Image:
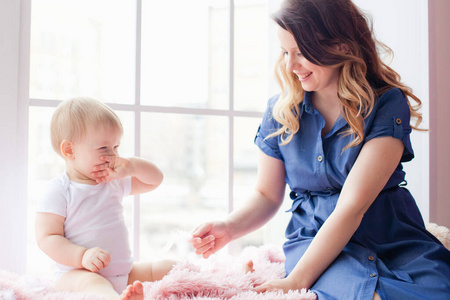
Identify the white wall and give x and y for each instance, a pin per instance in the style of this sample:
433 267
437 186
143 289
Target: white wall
13 133
403 26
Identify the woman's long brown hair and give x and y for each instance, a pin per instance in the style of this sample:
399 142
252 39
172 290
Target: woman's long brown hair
318 26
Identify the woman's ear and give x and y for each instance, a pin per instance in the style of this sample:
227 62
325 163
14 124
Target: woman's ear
66 149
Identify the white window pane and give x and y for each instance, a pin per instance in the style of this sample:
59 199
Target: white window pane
192 152
185 53
245 158
251 65
245 168
126 148
83 47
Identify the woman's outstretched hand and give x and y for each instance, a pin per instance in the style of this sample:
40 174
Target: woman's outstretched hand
284 285
210 237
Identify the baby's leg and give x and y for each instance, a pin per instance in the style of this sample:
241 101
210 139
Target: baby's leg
133 291
144 271
150 271
85 281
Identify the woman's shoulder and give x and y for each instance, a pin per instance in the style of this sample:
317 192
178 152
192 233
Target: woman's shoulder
268 114
392 99
392 94
272 100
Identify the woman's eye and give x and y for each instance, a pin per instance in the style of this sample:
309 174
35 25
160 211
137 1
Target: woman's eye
285 53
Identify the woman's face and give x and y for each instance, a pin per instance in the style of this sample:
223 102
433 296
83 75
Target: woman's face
313 78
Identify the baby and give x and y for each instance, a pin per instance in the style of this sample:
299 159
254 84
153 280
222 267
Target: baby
79 220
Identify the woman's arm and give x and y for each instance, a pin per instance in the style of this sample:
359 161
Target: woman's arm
373 168
264 202
266 199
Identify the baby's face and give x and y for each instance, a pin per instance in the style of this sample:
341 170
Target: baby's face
99 141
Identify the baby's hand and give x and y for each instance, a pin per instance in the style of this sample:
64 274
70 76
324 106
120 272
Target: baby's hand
115 167
95 259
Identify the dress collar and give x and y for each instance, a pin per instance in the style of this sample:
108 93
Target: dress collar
307 105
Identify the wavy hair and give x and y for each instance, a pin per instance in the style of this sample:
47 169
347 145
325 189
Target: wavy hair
318 26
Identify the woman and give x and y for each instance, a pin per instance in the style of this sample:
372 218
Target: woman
338 135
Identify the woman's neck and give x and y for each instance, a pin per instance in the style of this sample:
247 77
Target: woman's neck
329 106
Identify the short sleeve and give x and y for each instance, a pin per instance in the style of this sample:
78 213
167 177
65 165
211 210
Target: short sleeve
391 117
269 125
126 186
54 199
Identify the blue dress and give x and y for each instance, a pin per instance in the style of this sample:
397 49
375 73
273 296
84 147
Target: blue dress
391 251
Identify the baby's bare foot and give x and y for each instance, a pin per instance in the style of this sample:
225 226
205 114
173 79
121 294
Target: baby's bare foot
134 291
248 267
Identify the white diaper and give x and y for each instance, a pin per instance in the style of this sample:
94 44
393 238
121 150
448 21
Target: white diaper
119 282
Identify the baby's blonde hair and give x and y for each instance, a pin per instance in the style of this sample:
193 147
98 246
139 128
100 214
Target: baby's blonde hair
73 118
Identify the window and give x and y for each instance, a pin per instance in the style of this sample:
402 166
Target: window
189 93
190 83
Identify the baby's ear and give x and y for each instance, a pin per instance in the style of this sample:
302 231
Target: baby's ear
66 149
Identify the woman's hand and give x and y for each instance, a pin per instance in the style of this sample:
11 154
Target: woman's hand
285 285
210 237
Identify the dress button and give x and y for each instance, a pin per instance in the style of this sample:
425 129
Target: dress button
371 258
373 275
320 158
398 121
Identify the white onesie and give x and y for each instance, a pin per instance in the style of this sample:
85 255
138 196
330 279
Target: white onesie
94 218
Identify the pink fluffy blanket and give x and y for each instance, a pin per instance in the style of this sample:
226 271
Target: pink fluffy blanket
219 277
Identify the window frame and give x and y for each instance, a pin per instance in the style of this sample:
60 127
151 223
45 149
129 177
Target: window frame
137 109
15 103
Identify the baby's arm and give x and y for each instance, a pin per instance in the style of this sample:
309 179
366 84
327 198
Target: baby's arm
145 175
51 240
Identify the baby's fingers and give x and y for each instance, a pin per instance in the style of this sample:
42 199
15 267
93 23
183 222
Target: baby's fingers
102 176
105 258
